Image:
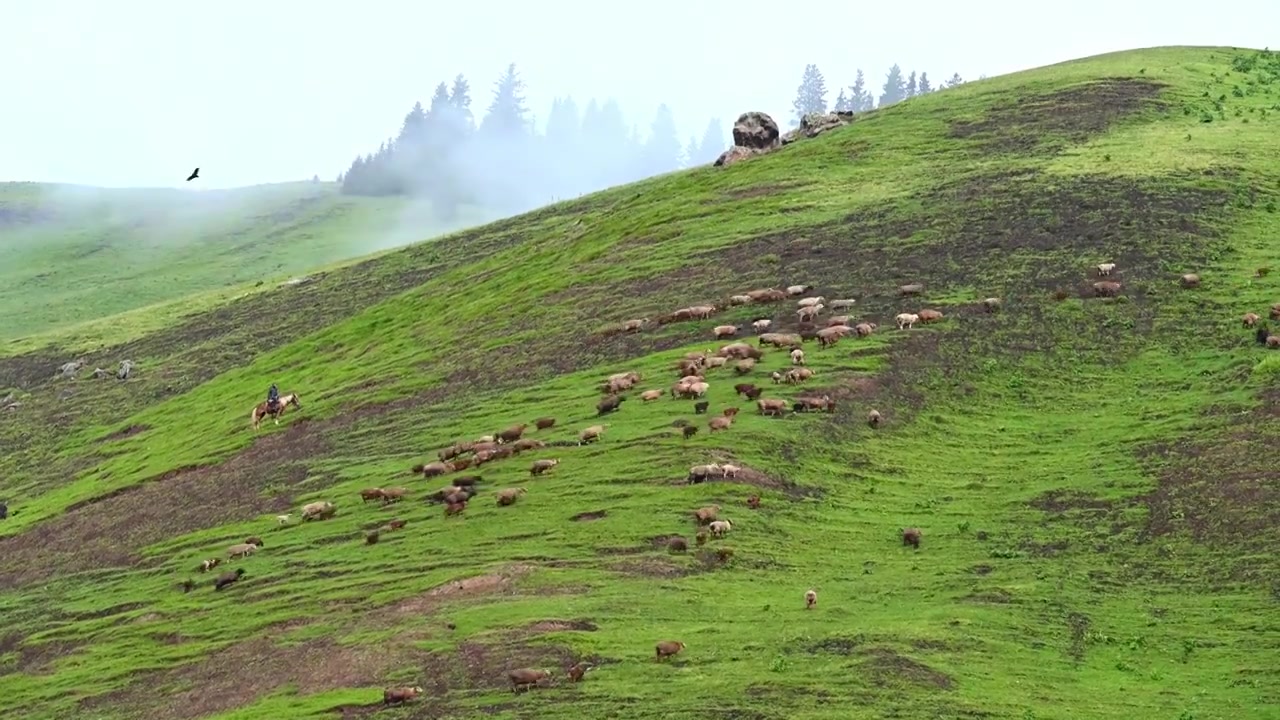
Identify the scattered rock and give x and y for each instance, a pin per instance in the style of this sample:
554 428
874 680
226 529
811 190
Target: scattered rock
294 282
125 371
754 133
69 370
99 373
814 124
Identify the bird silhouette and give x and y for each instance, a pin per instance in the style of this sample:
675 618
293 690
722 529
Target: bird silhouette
194 174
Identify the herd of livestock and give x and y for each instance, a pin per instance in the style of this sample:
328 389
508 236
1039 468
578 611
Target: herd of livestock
739 358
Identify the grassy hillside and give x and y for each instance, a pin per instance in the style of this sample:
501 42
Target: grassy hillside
1094 478
70 256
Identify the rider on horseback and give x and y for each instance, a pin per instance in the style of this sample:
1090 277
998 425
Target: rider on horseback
273 398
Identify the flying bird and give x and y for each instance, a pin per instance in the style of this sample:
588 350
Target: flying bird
194 174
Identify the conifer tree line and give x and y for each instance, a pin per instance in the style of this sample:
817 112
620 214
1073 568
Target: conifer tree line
811 95
497 158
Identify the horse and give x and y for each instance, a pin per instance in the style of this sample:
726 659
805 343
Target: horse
260 411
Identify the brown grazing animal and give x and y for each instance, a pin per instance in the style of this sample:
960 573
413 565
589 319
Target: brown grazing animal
609 404
525 678
253 540
678 545
227 578
667 648
911 536
874 418
370 494
810 599
700 538
543 423
207 565
188 585
509 496
512 433
753 502
701 407
1250 319
1190 280
541 466
576 672
455 508
371 538
689 431
395 524
395 696
1106 288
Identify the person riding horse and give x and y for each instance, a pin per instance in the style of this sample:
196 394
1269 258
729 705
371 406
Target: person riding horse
273 398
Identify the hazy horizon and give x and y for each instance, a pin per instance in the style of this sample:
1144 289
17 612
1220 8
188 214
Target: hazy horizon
138 93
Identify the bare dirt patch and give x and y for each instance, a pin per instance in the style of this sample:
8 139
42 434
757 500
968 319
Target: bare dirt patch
887 667
1061 501
650 567
497 583
589 515
124 433
1048 123
107 532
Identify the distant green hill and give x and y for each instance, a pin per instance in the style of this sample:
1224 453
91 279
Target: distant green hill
72 255
1095 478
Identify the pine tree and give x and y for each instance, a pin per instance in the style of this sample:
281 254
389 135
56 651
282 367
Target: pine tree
859 99
842 102
954 81
563 124
811 95
895 90
713 142
925 86
662 150
507 115
692 153
460 98
912 89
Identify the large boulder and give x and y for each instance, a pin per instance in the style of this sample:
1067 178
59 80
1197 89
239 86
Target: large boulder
755 130
814 124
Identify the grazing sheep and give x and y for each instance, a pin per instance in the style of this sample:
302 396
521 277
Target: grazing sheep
698 389
911 536
700 538
912 289
590 435
1105 269
396 494
865 329
241 550
775 408
798 289
842 303
526 677
809 312
512 433
739 299
797 357
1261 335
991 304
576 672
395 696
776 377
715 361
729 412
769 295
1106 288
228 578
761 325
1273 341
188 585
831 335
704 515
874 418
1251 319
371 538
283 519
797 375
701 407
928 316
743 388
466 481
609 404
678 545
1190 280
810 301
650 395
632 326
719 528
526 444
370 494
720 423
211 563
700 473
1275 311
541 466
320 510
724 554
689 431
810 599
454 508
838 320
433 469
753 502
509 496
543 423
667 648
744 366
730 471
724 331
254 540
754 393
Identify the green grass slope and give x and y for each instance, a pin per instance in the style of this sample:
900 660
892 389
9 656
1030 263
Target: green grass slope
1094 478
72 258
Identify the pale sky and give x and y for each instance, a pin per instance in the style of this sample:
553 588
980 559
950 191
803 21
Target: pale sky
137 92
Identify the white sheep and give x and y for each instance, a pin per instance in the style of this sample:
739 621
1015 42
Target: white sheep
777 377
809 312
797 357
761 325
719 528
283 519
729 471
907 320
842 303
798 289
1106 268
740 300
811 301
